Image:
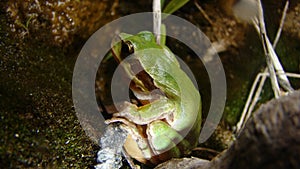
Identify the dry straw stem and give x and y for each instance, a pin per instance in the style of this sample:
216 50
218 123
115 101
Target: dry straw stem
203 13
286 7
157 19
271 54
261 77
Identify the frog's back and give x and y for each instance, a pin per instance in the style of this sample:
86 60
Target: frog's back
161 64
174 82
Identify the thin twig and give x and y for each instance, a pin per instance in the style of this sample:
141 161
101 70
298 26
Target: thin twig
264 40
273 77
283 80
157 20
257 93
251 102
203 12
243 119
248 108
272 56
261 29
294 75
206 149
281 24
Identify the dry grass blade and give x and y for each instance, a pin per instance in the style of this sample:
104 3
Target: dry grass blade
157 20
273 64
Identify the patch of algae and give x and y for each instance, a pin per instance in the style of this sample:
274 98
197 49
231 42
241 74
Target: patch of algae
38 121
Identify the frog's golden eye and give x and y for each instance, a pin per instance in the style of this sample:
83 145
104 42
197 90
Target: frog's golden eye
128 47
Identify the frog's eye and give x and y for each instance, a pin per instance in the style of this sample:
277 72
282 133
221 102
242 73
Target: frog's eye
128 47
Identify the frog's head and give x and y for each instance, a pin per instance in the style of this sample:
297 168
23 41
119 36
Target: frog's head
125 44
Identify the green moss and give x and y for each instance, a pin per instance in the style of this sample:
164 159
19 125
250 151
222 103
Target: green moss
40 128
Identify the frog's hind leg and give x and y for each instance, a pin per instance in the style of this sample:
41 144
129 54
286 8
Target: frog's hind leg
164 139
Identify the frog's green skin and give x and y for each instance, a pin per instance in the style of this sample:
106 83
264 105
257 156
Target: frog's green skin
173 118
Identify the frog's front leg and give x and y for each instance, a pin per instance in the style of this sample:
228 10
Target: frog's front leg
162 108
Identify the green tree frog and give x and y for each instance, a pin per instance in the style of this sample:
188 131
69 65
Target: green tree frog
167 121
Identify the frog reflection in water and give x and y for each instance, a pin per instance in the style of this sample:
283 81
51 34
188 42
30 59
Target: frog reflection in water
168 122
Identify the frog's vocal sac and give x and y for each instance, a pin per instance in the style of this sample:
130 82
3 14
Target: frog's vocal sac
167 123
